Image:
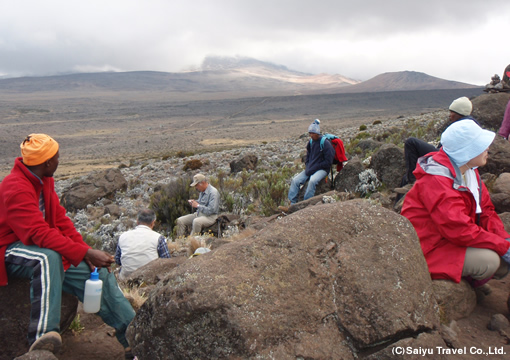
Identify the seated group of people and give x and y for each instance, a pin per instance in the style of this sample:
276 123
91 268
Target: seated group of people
39 242
449 206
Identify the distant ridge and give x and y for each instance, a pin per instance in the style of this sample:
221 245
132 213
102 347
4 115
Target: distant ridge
405 81
222 77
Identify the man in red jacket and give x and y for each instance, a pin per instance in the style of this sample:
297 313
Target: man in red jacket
38 241
450 208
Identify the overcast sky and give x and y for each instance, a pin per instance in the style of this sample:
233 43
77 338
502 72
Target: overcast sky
462 40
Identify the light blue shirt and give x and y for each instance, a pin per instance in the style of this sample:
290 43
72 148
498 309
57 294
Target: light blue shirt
208 201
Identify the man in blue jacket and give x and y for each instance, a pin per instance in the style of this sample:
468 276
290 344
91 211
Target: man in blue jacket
319 157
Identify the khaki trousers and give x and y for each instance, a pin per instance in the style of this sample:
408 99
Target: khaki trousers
483 263
197 223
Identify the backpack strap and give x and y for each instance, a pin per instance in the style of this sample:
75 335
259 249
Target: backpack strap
323 138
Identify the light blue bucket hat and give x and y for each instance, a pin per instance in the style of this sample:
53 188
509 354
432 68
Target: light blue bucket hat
464 140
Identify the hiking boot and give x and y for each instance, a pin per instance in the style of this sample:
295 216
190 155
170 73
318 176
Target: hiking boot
485 289
284 208
50 341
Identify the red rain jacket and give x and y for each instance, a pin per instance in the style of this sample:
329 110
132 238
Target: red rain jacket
21 219
443 215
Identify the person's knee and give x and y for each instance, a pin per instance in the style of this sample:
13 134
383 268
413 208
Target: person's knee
53 256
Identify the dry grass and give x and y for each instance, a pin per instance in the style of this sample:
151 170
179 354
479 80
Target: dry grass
136 297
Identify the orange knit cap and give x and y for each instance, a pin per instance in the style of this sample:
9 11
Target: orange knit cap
37 148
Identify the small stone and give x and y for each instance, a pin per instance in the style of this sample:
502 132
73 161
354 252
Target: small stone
498 322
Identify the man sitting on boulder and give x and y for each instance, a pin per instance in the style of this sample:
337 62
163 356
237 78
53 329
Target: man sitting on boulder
207 205
319 157
39 242
415 148
141 245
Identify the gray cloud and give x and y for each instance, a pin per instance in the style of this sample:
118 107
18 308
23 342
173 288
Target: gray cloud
454 39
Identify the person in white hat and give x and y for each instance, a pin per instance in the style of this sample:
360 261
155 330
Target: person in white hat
450 208
414 148
207 206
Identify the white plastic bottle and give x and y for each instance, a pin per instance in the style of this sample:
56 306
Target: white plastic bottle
93 290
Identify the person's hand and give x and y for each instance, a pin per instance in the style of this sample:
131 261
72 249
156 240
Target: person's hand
97 258
193 203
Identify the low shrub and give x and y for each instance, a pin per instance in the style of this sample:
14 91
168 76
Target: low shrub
193 164
171 201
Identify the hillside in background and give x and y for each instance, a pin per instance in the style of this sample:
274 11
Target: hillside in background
223 78
405 81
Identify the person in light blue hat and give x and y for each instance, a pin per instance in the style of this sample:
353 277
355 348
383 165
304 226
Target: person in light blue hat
319 157
450 208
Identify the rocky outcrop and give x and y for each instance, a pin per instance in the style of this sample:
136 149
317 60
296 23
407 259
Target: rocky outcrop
38 355
96 185
246 162
500 195
347 179
15 316
330 281
499 157
488 109
388 164
455 301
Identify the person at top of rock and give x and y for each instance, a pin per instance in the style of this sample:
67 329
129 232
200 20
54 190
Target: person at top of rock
414 148
319 157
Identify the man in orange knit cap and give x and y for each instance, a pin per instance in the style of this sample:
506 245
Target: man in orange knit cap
38 241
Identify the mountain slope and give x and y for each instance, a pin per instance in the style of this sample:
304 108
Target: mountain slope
405 80
220 78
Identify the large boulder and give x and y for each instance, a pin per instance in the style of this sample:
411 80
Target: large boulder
347 179
499 157
388 164
500 195
488 109
97 185
247 162
15 316
327 282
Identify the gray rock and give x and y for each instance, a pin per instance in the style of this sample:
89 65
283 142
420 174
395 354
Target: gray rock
456 301
329 281
347 179
247 162
15 316
488 109
388 164
97 185
498 322
500 195
499 157
37 355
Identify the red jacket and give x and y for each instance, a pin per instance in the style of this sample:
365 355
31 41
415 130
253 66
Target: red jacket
21 219
443 215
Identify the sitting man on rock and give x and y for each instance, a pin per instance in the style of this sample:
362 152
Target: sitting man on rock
451 210
415 148
39 242
207 205
141 245
319 157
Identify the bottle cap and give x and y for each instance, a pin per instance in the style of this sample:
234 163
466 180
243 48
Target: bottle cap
94 275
